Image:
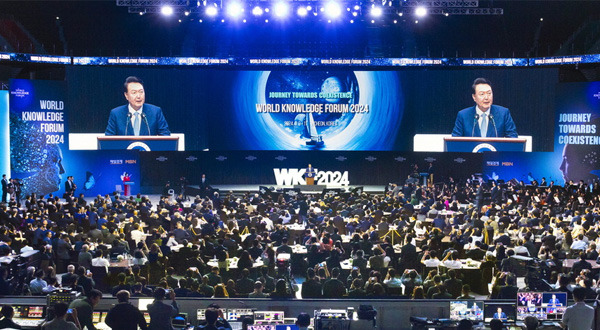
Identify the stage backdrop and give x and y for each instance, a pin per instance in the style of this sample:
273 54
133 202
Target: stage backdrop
279 167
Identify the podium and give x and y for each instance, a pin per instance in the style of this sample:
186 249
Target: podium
145 143
436 142
479 144
127 187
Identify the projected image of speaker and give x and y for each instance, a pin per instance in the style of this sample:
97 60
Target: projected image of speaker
506 312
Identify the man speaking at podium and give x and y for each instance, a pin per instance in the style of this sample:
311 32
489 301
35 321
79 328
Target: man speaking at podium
484 119
136 118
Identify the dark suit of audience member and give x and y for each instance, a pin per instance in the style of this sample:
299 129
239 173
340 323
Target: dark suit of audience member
161 313
125 316
408 256
580 265
453 286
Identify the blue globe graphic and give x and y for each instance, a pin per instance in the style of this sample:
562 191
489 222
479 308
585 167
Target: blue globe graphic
311 84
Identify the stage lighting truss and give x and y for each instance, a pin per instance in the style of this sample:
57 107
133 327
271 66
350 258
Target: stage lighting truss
350 9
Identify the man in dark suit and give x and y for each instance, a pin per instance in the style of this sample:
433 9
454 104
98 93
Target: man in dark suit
136 118
453 285
161 313
484 119
509 291
124 315
408 255
69 185
4 188
204 186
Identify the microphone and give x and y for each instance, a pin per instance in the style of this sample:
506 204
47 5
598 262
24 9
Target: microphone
148 126
494 123
474 123
127 122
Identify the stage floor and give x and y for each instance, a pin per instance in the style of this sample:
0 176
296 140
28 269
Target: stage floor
243 188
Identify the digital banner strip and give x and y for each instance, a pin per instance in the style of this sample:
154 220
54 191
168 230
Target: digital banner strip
351 62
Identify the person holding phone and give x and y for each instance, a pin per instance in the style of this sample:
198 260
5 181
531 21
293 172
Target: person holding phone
61 314
161 313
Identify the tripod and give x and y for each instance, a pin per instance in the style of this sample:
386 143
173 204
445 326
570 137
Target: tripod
392 232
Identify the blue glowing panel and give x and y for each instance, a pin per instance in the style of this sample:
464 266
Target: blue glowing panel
37 134
4 134
577 131
308 110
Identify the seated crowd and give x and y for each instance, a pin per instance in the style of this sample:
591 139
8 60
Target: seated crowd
443 241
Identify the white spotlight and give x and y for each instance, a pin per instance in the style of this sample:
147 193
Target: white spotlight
211 11
333 9
281 9
421 11
302 11
376 11
166 10
257 11
234 9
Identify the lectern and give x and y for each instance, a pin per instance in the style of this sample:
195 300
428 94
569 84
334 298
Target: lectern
479 144
146 143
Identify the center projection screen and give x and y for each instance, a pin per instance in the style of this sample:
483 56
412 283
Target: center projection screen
313 108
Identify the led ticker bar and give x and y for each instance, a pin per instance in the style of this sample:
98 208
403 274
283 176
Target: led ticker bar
301 61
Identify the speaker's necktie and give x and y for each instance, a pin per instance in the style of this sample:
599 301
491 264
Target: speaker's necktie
484 125
136 124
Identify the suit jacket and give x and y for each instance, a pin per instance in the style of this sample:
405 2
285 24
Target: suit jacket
68 186
4 184
62 249
409 256
499 125
120 124
161 314
125 316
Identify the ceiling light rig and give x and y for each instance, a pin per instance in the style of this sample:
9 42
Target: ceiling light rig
350 11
